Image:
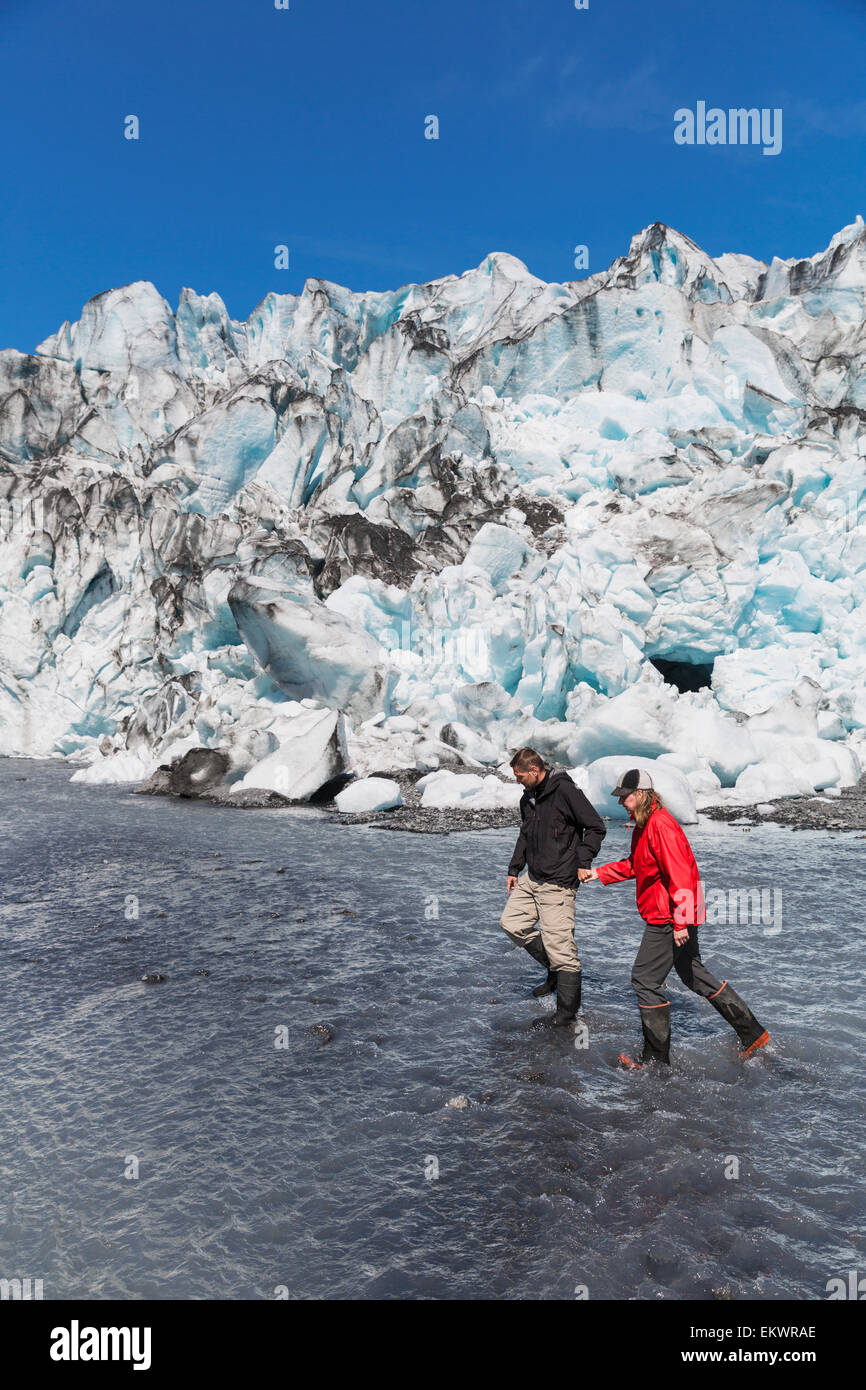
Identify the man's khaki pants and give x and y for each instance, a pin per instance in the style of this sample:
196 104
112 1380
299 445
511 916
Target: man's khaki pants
545 909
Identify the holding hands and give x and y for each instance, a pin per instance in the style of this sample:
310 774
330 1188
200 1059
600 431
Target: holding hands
587 875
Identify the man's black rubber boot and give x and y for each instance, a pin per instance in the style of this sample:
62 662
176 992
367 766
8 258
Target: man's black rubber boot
537 951
751 1033
567 996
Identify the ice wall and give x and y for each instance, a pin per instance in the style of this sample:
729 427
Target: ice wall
469 514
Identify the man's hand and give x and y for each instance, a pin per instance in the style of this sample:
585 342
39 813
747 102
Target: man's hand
681 936
587 875
510 884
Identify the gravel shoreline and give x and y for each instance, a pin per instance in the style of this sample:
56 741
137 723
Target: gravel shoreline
412 818
846 812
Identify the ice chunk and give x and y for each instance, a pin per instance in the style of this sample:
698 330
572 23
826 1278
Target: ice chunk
499 551
129 766
602 775
470 744
369 794
751 680
312 752
311 651
766 779
467 791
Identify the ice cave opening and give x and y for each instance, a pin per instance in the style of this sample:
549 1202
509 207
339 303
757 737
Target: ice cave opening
685 675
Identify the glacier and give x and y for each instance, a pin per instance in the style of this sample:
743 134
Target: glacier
397 529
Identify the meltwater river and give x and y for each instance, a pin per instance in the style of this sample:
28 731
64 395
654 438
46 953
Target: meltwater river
272 1119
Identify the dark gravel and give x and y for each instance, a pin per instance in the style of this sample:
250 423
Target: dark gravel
845 812
410 817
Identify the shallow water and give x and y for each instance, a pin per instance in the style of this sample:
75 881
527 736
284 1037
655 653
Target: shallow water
311 1167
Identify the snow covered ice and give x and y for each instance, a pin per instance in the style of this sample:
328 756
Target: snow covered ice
465 515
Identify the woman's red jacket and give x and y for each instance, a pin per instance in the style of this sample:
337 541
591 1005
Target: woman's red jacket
668 885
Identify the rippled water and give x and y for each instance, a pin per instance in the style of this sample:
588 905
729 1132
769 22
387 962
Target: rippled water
311 1166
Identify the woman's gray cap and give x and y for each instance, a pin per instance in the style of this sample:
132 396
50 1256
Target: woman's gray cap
635 780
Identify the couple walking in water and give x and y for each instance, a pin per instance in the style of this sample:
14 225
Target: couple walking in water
560 835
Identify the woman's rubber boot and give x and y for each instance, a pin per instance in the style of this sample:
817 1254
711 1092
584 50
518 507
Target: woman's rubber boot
751 1033
536 949
567 996
656 1024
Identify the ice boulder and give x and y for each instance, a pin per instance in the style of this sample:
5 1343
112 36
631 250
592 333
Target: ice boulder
474 748
634 722
467 791
369 794
703 733
499 551
753 679
599 779
117 768
311 651
700 776
764 781
823 764
484 702
312 752
194 773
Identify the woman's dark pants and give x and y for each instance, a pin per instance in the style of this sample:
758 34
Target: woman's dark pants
657 954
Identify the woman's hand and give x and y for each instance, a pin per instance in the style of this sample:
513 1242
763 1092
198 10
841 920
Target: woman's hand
587 875
681 936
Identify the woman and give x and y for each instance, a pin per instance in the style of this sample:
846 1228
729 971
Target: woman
671 902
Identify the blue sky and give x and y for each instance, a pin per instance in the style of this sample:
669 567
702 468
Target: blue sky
305 127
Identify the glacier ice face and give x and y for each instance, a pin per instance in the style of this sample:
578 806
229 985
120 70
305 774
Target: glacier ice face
483 506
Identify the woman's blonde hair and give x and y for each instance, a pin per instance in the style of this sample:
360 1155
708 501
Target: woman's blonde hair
647 801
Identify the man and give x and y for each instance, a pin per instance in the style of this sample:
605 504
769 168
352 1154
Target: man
559 834
670 900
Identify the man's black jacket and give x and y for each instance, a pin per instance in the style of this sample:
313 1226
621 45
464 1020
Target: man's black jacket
560 832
